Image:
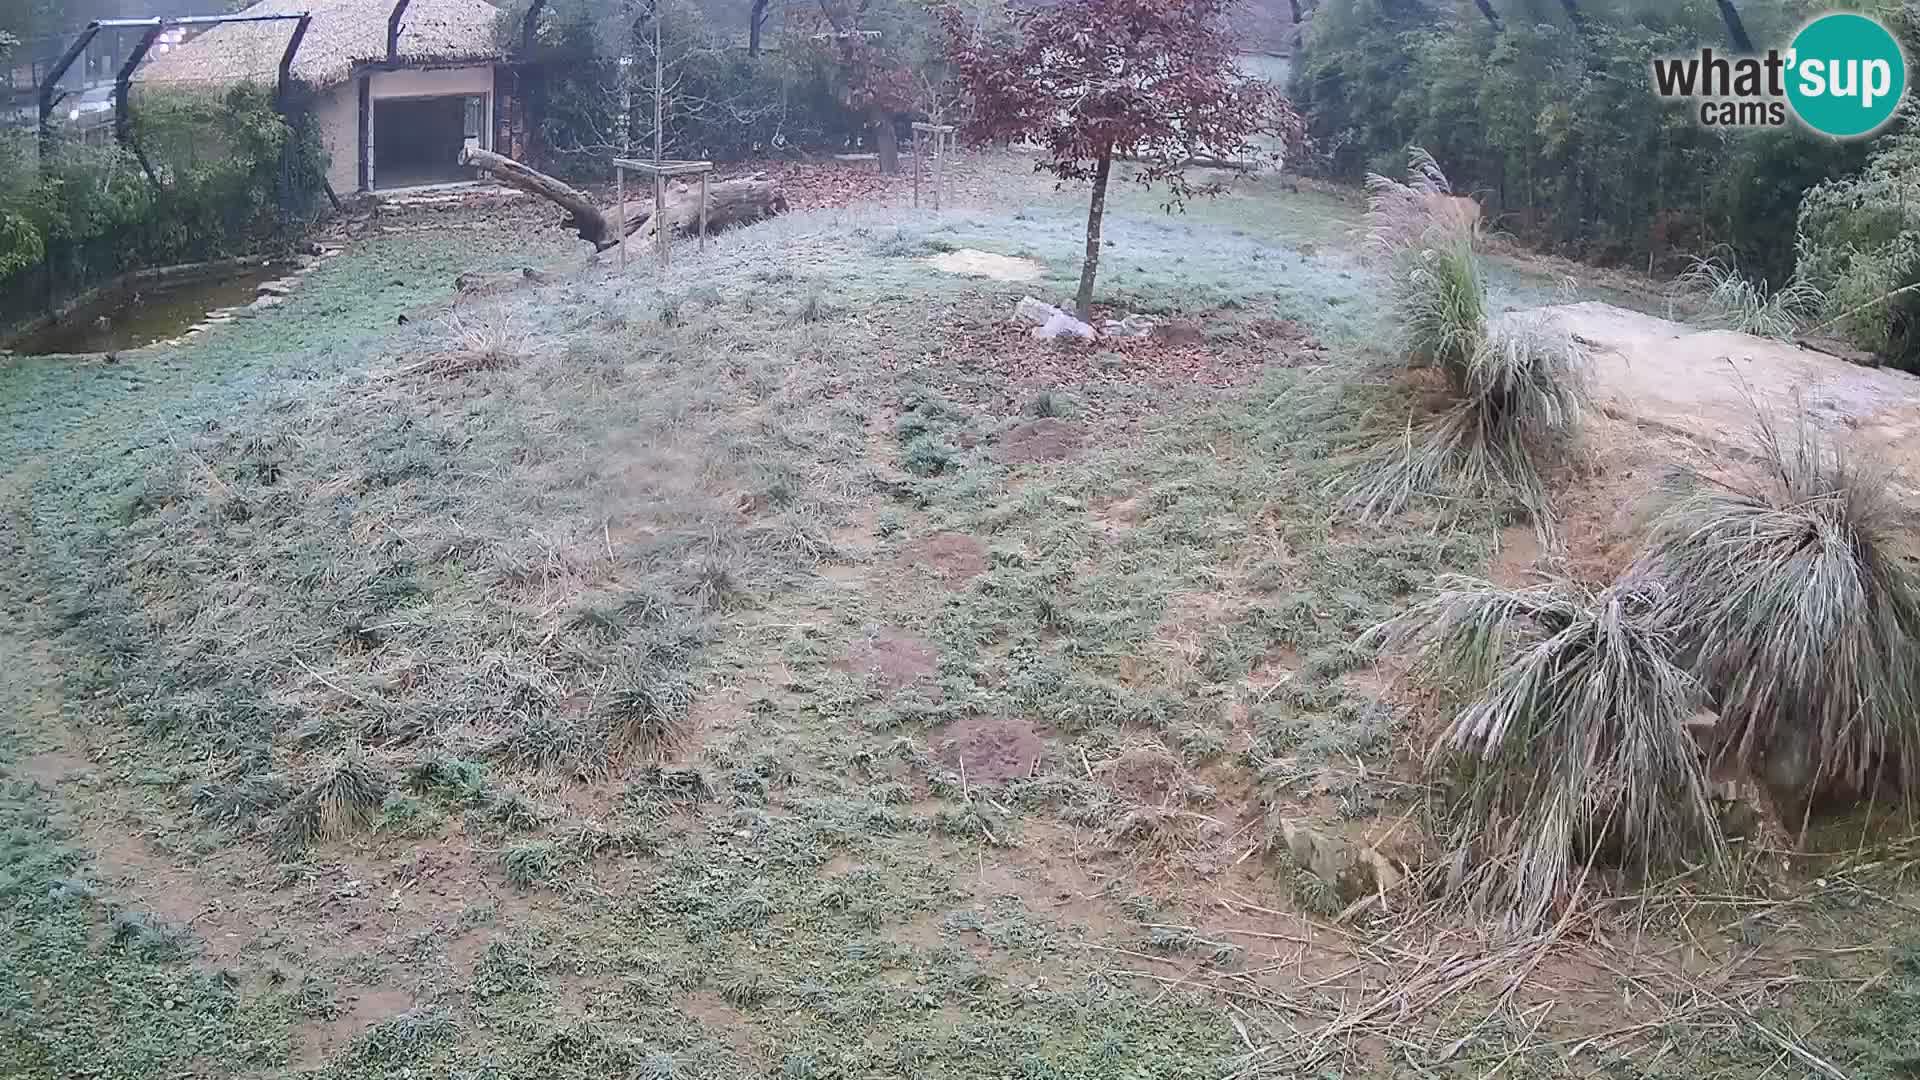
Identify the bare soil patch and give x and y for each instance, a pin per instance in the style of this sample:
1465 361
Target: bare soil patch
1192 360
893 659
320 1041
990 750
1043 440
949 556
976 263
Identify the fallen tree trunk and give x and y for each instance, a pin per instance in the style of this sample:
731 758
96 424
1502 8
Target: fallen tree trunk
583 216
729 203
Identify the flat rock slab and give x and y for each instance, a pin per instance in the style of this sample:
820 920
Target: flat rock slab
1705 384
977 263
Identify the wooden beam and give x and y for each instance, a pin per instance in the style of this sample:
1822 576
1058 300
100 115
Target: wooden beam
393 30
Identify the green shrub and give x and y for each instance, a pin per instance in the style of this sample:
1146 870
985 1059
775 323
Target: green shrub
1859 242
1556 131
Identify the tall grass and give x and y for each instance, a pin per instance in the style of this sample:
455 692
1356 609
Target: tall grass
1733 301
1518 386
1428 241
1571 738
1801 611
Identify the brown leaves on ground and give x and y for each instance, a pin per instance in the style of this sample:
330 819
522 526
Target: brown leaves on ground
1179 354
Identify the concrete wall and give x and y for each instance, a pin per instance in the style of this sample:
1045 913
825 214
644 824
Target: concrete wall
338 111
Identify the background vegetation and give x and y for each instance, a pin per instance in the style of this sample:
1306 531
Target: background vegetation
1552 126
223 174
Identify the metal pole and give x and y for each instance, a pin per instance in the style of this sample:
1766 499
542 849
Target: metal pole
123 87
939 166
918 142
703 211
286 63
620 200
52 82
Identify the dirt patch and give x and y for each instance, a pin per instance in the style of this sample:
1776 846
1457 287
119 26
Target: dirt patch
1517 563
1009 352
53 767
1601 511
892 659
977 263
987 751
1046 439
1179 332
1145 773
320 1041
949 556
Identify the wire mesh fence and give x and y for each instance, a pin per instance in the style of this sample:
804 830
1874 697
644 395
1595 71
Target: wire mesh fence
199 171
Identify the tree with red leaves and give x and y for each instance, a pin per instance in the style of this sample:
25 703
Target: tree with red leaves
1151 81
875 47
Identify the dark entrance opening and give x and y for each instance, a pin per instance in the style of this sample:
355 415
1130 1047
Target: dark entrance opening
417 140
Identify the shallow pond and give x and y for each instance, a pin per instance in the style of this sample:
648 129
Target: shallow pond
142 315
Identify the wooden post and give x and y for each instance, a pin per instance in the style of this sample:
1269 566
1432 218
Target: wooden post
660 217
918 143
939 166
703 211
620 200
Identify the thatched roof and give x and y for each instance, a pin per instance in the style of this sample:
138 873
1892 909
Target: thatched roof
343 33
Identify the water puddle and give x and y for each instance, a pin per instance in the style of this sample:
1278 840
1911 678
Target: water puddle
142 315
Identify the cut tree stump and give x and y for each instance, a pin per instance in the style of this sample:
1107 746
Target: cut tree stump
729 203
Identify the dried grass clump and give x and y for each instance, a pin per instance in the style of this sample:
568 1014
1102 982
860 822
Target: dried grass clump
647 713
1736 302
341 801
1573 739
480 339
1520 397
1800 613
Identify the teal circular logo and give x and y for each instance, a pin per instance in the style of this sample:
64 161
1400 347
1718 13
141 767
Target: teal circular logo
1845 75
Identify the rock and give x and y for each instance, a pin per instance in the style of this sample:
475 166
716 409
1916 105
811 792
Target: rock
267 301
1037 312
1061 324
1133 326
281 287
1352 870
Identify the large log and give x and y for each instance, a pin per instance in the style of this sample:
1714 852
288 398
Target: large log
583 216
730 203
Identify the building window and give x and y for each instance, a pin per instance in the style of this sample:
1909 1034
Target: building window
476 119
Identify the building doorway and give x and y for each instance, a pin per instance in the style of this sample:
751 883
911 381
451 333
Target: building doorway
417 140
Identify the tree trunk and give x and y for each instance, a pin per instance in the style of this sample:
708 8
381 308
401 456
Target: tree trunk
1298 17
1097 209
1736 29
730 203
886 140
1486 8
583 216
